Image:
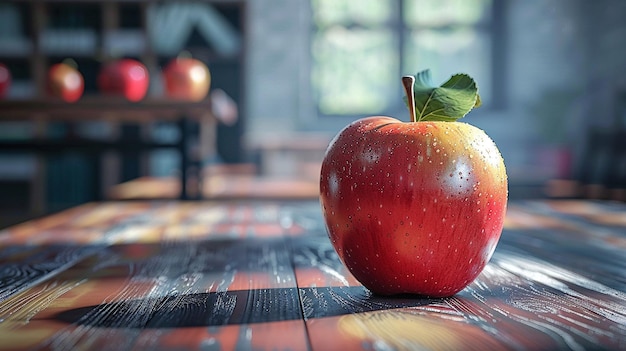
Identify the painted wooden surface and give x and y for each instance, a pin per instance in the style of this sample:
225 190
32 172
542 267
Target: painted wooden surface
263 275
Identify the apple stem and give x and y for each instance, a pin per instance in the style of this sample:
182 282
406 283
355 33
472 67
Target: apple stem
408 83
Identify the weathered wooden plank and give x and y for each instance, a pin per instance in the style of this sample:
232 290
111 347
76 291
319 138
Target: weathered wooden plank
86 216
38 264
158 286
31 253
589 244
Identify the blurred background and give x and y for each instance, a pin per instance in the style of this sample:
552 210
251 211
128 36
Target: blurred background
285 77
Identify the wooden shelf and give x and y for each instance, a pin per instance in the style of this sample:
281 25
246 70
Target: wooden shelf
105 20
98 107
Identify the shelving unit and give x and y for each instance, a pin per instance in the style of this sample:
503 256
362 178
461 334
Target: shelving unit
93 32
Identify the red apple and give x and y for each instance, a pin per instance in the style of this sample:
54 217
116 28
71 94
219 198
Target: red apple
5 80
187 79
65 82
125 77
413 207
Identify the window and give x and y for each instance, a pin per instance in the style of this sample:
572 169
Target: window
360 49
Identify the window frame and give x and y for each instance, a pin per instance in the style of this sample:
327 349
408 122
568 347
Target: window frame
495 29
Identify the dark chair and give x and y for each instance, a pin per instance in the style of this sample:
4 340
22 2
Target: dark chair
616 170
601 173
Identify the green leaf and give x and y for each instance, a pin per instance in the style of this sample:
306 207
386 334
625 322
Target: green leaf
449 102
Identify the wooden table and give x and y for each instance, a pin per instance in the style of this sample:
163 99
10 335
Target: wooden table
262 275
219 187
116 111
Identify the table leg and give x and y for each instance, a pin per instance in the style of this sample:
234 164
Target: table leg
183 148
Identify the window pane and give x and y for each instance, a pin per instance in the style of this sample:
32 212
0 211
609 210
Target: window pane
448 52
354 71
363 12
446 12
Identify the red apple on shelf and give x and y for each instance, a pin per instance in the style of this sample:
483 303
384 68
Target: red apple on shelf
5 80
416 207
65 81
124 77
187 79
